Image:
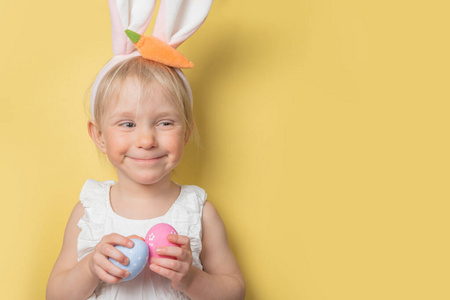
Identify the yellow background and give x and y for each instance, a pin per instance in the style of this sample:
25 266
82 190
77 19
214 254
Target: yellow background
325 140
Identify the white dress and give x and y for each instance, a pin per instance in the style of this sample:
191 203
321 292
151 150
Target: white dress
99 220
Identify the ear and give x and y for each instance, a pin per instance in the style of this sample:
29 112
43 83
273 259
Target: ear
96 135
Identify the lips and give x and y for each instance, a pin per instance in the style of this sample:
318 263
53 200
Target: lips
150 159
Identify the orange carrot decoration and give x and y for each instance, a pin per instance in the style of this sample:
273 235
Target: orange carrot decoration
154 49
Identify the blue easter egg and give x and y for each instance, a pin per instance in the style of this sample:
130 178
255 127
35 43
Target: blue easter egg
138 256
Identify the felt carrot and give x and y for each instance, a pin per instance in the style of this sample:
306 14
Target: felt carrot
154 49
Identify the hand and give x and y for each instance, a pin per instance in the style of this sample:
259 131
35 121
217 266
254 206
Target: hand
178 269
102 267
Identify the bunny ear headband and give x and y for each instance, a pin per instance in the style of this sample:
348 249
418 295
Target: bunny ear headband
176 21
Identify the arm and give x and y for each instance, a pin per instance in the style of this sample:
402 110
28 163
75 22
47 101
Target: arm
221 278
71 279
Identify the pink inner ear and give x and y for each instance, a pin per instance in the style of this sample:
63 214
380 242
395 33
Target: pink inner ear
159 31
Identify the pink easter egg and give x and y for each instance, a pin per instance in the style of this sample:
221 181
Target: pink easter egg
157 237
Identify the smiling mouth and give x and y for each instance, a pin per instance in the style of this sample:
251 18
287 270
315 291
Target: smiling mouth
145 159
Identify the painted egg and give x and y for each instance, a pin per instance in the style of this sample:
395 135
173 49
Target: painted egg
138 256
157 237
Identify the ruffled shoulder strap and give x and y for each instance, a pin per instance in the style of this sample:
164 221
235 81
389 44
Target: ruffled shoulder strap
194 197
94 197
186 217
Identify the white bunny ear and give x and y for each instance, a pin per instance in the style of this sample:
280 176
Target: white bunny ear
128 14
178 19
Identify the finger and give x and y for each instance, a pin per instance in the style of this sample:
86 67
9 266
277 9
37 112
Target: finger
172 264
175 252
106 277
117 239
107 266
168 273
112 252
136 237
181 240
177 266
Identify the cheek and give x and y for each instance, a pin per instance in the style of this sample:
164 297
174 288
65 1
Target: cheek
115 142
175 143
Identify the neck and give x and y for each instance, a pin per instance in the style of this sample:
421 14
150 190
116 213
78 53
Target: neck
133 191
139 201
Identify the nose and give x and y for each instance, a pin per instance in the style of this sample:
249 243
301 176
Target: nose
146 138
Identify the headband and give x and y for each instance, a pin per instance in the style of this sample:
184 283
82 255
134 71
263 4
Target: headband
176 21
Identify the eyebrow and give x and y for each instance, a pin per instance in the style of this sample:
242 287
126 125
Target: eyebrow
132 115
169 113
122 114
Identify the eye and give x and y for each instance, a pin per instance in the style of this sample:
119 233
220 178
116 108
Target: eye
128 125
165 123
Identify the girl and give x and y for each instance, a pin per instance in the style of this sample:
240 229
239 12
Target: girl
142 119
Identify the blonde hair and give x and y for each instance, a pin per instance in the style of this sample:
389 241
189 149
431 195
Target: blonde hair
146 73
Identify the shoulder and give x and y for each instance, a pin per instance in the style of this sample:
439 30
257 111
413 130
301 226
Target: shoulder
94 196
74 219
214 230
95 189
90 215
77 213
195 191
210 213
191 199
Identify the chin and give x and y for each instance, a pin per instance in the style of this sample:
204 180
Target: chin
149 179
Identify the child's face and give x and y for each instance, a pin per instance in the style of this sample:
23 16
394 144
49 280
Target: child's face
145 139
